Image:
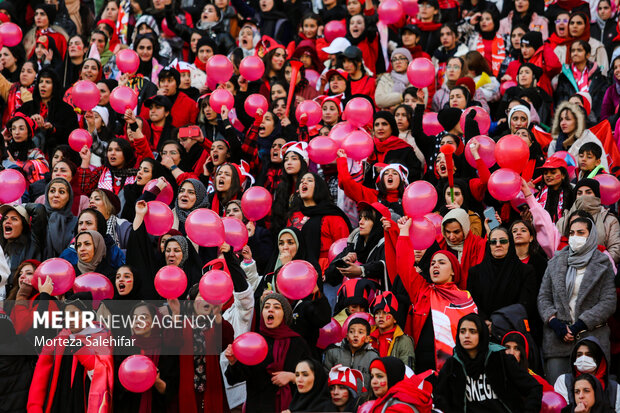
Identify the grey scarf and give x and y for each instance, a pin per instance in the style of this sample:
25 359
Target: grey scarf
60 223
201 200
579 259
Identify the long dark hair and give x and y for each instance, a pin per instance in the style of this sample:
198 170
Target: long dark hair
235 189
128 153
320 196
47 73
534 247
553 197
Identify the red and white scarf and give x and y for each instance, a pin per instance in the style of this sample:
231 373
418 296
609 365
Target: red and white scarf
498 53
581 78
113 184
542 200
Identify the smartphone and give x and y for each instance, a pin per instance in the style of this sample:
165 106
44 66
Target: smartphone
489 213
189 132
340 263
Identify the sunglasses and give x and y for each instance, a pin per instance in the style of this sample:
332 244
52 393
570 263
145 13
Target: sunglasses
495 241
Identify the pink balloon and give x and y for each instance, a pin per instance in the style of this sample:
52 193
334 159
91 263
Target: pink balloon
436 220
506 85
219 98
252 68
610 188
98 285
358 112
552 402
336 248
170 282
358 145
296 279
312 76
211 83
13 185
330 333
322 150
236 234
340 131
85 95
312 109
422 233
219 68
234 120
334 29
504 184
419 199
421 72
512 152
411 7
137 373
482 118
216 287
123 98
390 11
166 195
205 228
430 124
79 138
365 316
61 271
158 219
250 348
11 34
517 201
127 61
256 203
486 151
254 102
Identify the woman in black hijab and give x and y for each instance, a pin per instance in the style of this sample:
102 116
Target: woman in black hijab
310 394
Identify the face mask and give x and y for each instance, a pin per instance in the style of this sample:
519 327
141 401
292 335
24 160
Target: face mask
576 242
585 364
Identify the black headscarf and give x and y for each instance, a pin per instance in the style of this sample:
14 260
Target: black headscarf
474 367
601 403
362 249
389 118
311 230
317 399
393 367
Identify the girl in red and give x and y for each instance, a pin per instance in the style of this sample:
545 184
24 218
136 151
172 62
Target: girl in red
228 181
321 222
19 92
436 306
487 41
359 79
364 36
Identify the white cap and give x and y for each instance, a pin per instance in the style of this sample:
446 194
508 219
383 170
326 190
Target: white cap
337 46
103 112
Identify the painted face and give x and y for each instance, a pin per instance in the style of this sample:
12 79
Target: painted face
339 394
278 58
62 170
553 177
104 92
41 21
378 382
144 321
486 22
518 120
357 336
99 41
385 321
561 25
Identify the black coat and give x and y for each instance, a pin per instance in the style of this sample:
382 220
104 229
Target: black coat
15 375
309 316
598 87
605 36
374 267
61 115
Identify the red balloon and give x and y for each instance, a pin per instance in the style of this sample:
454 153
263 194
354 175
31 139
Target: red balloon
13 185
296 279
486 151
358 145
310 108
216 287
340 131
334 29
330 333
219 68
506 85
322 150
411 7
205 228
158 219
256 203
137 373
127 61
504 184
430 124
312 76
512 152
123 98
61 272
422 233
10 34
98 285
170 282
436 220
336 248
250 348
358 112
390 11
85 95
254 102
610 188
252 68
552 402
219 98
80 138
421 72
419 199
236 234
365 316
482 118
166 195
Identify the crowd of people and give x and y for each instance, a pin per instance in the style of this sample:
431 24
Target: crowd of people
513 301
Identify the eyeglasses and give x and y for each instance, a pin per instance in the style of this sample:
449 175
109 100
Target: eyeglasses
425 5
558 21
399 59
453 67
496 241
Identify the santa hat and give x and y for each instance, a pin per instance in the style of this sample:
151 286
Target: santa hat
586 98
242 171
181 67
346 376
337 99
245 171
402 170
300 148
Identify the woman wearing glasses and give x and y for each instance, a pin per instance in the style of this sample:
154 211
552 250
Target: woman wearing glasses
391 85
501 279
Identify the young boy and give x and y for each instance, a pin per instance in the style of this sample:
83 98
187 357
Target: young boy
354 350
589 161
388 338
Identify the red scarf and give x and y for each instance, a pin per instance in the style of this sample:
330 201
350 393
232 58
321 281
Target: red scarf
556 40
200 65
428 26
382 341
498 52
155 135
542 200
382 147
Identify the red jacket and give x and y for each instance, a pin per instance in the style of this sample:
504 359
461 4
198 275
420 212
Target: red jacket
547 60
411 391
365 86
370 54
184 111
473 253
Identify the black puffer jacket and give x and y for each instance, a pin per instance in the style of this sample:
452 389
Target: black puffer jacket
15 375
598 85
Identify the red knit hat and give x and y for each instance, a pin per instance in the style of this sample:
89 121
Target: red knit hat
456 267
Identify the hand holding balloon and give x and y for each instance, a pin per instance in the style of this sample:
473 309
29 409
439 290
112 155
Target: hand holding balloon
230 355
46 287
404 224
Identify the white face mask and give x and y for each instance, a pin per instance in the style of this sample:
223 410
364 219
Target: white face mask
585 364
576 242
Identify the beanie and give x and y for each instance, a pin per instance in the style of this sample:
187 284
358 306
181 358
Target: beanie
286 306
449 117
590 183
533 39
